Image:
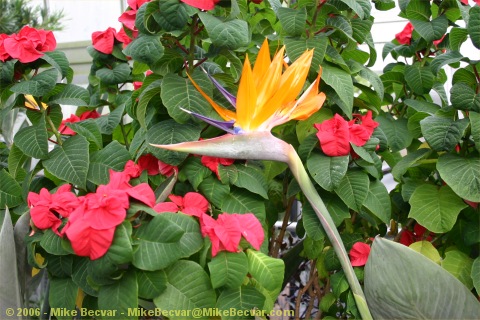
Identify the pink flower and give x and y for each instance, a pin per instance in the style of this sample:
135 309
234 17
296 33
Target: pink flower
28 45
192 203
359 254
63 129
212 163
405 36
47 209
202 4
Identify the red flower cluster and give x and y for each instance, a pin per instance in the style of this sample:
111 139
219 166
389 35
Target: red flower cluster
212 163
408 237
336 134
154 166
202 4
128 17
26 46
104 41
405 36
359 254
63 129
92 218
226 232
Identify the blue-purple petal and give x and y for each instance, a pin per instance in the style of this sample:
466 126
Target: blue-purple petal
230 97
226 126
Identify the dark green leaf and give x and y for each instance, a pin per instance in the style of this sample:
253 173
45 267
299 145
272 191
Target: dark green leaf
62 295
463 97
443 134
292 20
473 26
378 201
38 85
10 191
120 297
151 283
327 171
146 49
418 78
113 156
431 30
342 83
33 140
231 34
353 189
118 74
89 129
228 269
71 95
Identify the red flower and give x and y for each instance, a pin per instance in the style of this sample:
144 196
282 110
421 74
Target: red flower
138 84
104 41
202 4
63 129
405 36
226 232
359 254
128 17
48 209
28 45
336 134
192 203
257 1
408 237
3 53
212 163
154 166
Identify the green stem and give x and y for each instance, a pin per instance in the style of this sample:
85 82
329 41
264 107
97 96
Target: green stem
54 129
191 49
124 134
323 215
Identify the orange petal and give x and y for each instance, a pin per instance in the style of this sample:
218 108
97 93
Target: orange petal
308 107
30 103
262 63
224 113
246 97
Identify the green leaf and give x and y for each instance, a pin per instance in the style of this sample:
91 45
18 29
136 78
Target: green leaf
353 189
247 299
327 171
146 49
170 132
443 59
296 47
89 129
427 249
476 273
188 287
311 223
418 78
337 208
461 174
473 26
228 269
54 244
62 294
121 296
435 208
459 265
179 93
422 106
153 90
342 83
463 97
195 171
250 178
113 156
292 20
151 283
70 94
118 74
16 159
339 283
215 191
431 30
39 85
474 126
266 270
165 239
396 131
418 10
374 79
409 161
173 14
443 134
457 37
343 27
378 201
58 60
387 268
70 161
242 201
231 34
33 140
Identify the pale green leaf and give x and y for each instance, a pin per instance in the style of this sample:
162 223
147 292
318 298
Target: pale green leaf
461 174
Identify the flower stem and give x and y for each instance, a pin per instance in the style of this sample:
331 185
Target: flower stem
54 129
320 209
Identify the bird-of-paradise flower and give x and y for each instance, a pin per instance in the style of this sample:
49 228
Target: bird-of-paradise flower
30 103
267 94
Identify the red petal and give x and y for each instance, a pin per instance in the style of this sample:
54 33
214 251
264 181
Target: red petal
43 218
150 163
103 41
201 4
405 36
166 207
178 200
21 48
106 208
251 229
359 135
195 200
89 242
144 193
407 237
228 231
359 254
128 19
333 135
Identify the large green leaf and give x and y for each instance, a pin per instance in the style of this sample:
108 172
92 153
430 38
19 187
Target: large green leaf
341 82
460 265
242 201
70 161
188 288
378 201
475 128
422 106
473 26
292 20
461 174
113 156
295 47
435 208
179 93
58 60
16 160
152 91
431 30
419 78
409 161
396 131
118 74
443 134
464 97
353 189
266 270
38 85
170 132
54 244
62 295
173 14
151 283
244 301
70 94
214 191
427 249
195 171
418 10
250 178
109 122
443 59
476 274
121 296
228 269
394 270
327 171
10 191
89 129
231 34
165 239
146 49
33 140
311 223
457 37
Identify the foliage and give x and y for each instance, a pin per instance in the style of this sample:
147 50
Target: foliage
404 118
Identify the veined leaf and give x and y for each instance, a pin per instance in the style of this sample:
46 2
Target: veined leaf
353 189
38 85
121 296
228 269
327 171
247 299
461 174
